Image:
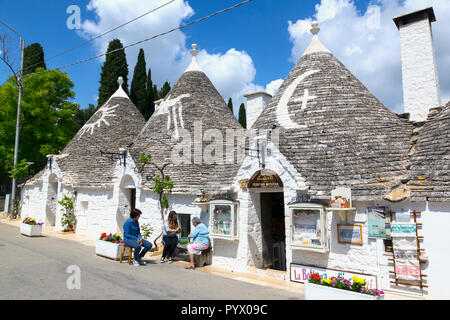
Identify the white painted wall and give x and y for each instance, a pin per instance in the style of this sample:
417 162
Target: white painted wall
96 212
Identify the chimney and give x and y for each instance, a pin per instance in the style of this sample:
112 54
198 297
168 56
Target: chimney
420 77
256 102
157 103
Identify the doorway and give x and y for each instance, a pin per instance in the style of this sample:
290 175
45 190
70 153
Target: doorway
52 201
273 230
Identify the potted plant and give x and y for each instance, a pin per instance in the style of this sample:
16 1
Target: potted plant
109 246
68 219
30 227
338 288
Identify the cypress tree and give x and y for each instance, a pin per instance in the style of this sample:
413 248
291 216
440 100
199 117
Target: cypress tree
230 105
33 58
152 94
242 116
115 66
138 91
164 90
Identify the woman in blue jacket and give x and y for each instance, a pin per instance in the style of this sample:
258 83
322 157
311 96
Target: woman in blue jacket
200 240
132 237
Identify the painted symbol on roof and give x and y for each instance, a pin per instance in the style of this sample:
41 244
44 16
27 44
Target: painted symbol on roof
106 111
174 110
283 115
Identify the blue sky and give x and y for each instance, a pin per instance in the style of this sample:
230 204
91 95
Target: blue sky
258 42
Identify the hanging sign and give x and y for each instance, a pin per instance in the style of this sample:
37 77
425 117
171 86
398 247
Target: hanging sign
376 222
301 273
350 234
260 180
403 230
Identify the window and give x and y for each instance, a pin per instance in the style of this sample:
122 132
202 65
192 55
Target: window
308 227
224 219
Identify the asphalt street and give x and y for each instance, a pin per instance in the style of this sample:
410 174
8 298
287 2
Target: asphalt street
42 268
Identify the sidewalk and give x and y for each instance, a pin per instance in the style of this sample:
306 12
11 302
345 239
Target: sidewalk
267 278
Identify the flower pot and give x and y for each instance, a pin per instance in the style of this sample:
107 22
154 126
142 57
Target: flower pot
108 249
319 292
30 230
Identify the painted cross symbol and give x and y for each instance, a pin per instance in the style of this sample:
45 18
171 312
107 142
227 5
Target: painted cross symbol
305 99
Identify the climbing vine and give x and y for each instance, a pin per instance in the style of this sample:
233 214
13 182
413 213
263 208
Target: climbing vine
68 219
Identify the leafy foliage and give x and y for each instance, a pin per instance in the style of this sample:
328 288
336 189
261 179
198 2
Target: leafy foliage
68 219
115 66
242 116
20 170
230 105
152 95
33 58
46 122
138 92
164 90
146 231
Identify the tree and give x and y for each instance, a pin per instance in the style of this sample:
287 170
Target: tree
164 90
230 105
115 66
47 118
163 186
33 58
242 116
138 91
83 115
152 94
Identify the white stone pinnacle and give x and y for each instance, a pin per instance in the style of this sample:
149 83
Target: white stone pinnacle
316 45
315 28
194 65
120 92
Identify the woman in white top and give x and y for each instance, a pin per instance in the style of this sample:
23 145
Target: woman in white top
170 238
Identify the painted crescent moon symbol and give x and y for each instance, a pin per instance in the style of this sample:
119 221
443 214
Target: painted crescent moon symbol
283 116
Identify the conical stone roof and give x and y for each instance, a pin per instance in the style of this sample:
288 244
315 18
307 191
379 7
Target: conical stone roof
335 131
430 169
193 108
114 126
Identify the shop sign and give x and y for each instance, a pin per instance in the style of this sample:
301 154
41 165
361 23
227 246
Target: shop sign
301 273
260 180
350 234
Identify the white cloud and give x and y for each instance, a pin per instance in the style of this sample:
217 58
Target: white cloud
367 42
273 87
232 72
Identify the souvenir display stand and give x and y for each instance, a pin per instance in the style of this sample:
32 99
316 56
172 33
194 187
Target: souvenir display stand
417 277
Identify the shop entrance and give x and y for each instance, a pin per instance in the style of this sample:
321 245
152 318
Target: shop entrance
273 230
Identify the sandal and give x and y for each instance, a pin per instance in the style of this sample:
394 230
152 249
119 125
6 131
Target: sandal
190 267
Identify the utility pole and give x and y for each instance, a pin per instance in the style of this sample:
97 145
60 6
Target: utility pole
19 103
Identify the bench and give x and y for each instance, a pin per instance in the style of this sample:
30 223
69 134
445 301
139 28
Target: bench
205 258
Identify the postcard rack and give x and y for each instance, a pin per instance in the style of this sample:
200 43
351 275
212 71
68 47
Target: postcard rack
415 283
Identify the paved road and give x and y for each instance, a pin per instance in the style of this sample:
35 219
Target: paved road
36 269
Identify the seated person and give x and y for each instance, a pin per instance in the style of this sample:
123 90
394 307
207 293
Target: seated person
200 240
132 237
170 238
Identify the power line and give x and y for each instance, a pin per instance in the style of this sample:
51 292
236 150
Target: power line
101 35
148 39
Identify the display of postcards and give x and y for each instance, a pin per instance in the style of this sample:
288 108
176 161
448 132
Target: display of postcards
405 254
316 242
305 228
405 243
407 270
